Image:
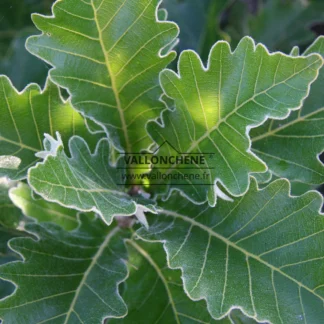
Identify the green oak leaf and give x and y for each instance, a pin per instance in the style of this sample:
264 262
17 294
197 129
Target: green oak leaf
26 116
216 106
155 292
108 55
262 253
277 24
85 181
66 277
291 148
42 210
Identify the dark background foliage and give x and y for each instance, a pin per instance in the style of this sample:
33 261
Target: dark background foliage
279 24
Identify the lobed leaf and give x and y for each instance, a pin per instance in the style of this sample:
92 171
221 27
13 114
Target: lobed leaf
108 55
85 181
66 277
155 292
25 117
263 253
216 106
291 148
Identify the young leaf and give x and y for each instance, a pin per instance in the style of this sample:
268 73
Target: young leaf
42 210
215 108
66 277
291 148
25 117
85 181
108 55
262 253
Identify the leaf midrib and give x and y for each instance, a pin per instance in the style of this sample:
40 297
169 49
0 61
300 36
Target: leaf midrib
209 131
196 143
160 274
87 273
112 78
233 245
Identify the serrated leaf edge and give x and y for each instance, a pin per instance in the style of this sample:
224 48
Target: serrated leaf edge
264 135
97 255
160 119
170 46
